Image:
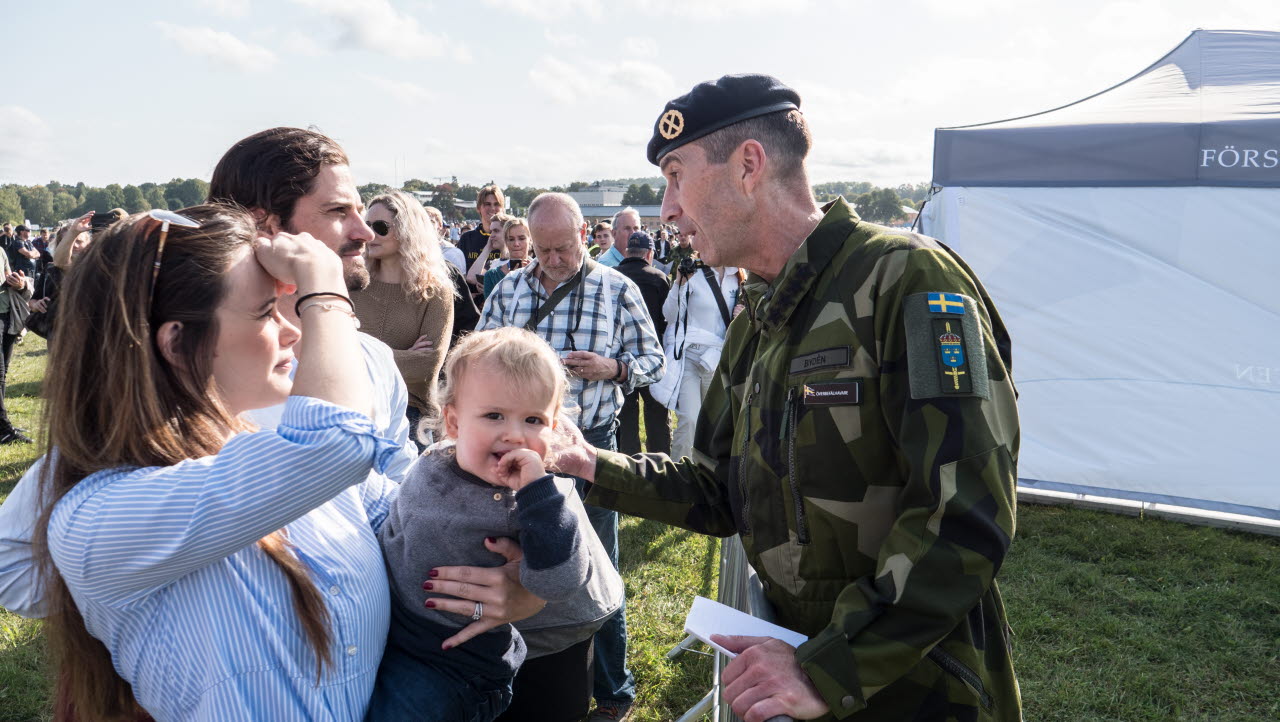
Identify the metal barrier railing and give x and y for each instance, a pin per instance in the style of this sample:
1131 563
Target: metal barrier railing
740 588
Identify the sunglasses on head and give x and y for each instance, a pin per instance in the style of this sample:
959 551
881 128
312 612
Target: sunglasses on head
166 218
382 228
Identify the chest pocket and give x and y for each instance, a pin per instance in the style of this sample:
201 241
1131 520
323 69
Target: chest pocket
820 419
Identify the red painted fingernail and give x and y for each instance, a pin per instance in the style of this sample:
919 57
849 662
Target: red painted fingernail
491 540
431 603
433 573
447 646
428 585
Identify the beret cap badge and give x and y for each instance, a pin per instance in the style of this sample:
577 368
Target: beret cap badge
717 104
672 124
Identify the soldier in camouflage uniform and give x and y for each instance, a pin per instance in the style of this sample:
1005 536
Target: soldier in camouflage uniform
679 252
861 437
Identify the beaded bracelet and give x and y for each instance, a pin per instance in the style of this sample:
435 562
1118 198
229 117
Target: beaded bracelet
330 306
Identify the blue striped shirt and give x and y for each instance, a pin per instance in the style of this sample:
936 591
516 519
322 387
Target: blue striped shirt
20 590
163 564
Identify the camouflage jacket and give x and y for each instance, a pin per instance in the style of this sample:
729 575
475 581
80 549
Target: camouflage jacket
862 438
678 253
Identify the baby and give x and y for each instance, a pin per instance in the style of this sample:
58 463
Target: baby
499 407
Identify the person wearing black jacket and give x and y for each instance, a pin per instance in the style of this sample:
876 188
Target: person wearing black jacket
489 202
465 313
654 285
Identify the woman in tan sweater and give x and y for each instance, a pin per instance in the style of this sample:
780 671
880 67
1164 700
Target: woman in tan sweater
409 302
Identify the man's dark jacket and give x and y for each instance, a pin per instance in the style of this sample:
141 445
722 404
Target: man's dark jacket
654 286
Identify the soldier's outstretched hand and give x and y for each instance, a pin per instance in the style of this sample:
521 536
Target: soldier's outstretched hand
765 681
570 454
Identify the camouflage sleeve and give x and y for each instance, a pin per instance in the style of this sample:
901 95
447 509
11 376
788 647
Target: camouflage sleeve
957 449
688 493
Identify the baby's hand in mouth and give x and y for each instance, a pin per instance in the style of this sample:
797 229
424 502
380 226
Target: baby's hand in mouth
518 468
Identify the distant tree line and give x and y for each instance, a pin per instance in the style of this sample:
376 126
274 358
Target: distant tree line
878 205
46 205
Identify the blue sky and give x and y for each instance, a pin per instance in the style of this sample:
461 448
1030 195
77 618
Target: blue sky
542 92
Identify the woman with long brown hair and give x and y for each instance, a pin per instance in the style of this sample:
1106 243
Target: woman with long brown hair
195 568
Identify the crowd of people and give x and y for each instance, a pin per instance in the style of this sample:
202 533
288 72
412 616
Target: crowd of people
316 457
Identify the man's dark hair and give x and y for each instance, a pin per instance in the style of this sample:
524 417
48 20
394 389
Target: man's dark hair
785 136
271 170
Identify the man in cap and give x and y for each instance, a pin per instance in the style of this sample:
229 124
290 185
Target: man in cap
861 435
654 286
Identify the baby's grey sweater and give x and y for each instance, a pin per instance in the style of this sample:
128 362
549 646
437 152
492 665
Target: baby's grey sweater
442 516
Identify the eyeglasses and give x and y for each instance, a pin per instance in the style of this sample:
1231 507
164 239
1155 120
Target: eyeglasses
166 218
382 228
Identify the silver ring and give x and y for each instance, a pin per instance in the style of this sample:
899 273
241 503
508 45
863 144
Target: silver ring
476 615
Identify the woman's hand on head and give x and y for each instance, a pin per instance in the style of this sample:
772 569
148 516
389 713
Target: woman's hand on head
520 467
300 260
498 589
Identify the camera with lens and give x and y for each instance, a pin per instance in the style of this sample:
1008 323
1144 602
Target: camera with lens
689 265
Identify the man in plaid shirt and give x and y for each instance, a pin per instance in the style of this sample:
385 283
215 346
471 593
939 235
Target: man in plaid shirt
607 340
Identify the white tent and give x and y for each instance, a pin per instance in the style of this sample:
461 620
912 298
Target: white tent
1131 241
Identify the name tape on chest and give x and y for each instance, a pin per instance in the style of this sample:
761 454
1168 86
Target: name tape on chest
832 393
945 354
829 358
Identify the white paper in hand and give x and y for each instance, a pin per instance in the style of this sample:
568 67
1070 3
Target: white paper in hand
708 617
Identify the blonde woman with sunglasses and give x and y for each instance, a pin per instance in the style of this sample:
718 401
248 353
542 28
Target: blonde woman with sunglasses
410 301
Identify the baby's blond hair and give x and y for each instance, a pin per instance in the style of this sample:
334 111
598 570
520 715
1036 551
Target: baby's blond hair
520 356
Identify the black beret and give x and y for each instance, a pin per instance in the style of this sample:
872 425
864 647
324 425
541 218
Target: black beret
640 239
712 106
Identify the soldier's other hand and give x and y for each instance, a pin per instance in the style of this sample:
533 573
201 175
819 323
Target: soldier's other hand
765 680
570 454
590 366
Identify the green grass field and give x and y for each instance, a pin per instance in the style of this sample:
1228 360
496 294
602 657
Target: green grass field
1115 617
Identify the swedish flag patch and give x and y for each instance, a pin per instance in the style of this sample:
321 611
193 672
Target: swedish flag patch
946 303
945 355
